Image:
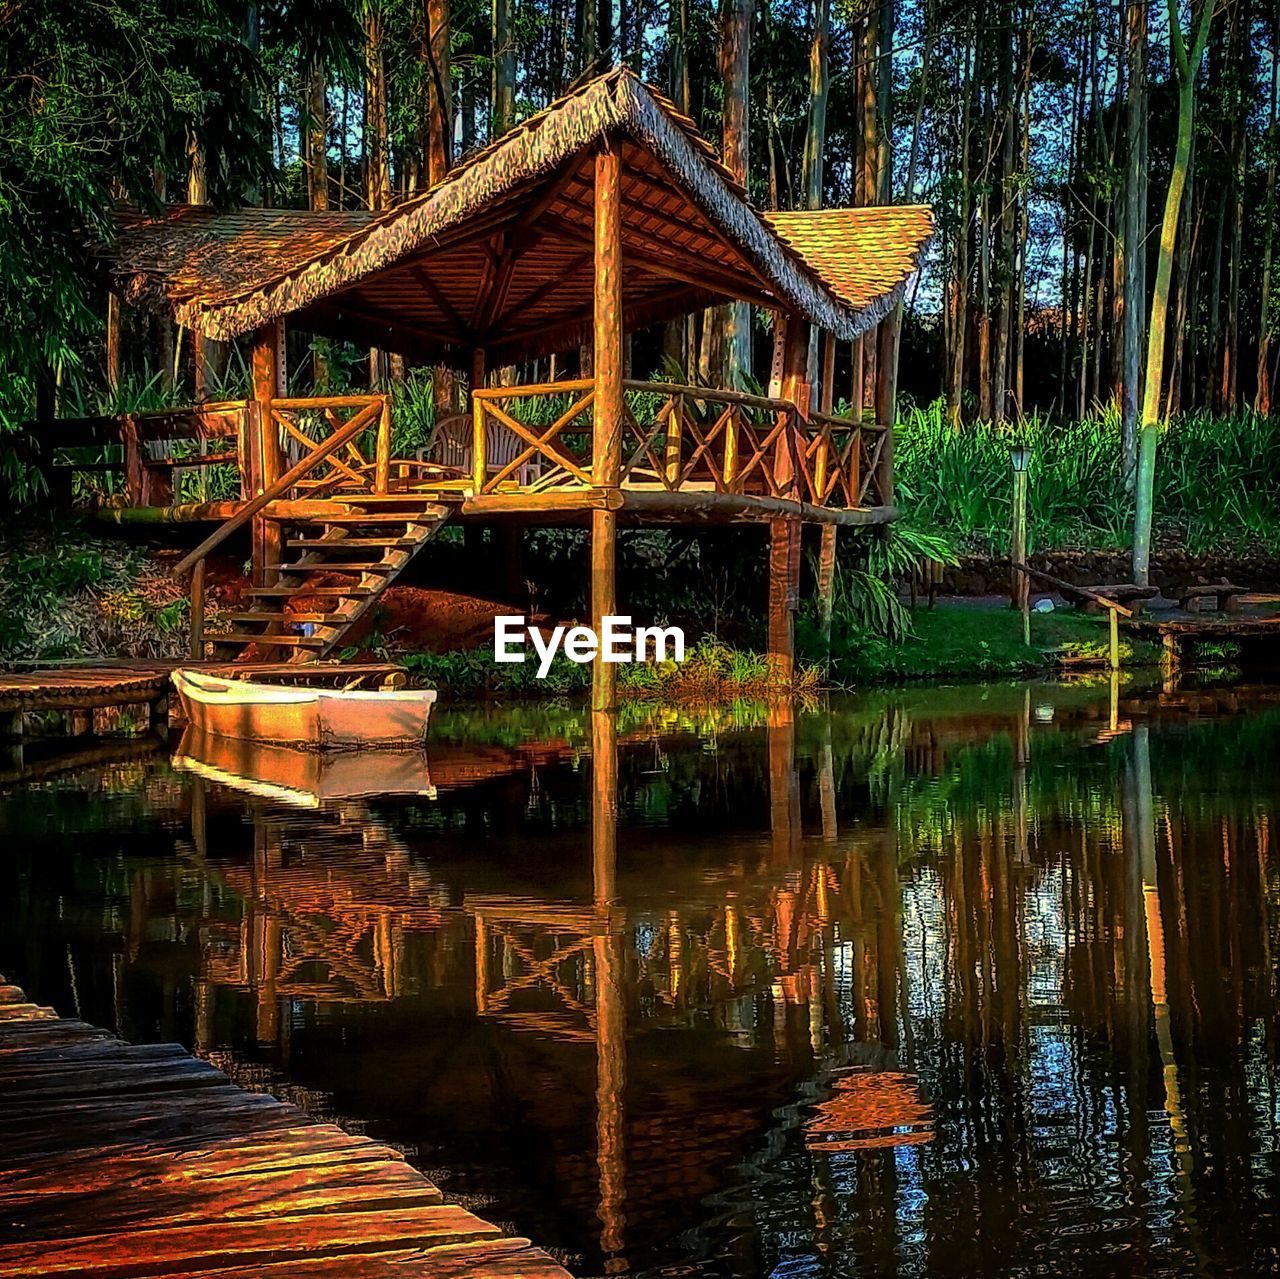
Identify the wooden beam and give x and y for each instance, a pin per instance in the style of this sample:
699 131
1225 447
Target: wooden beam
714 280
436 294
710 507
433 336
541 293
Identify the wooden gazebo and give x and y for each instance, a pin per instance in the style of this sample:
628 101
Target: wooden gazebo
602 214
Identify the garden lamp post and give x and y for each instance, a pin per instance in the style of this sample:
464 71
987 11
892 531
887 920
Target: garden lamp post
1020 596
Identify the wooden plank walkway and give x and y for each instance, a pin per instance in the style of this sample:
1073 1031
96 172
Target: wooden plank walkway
125 1162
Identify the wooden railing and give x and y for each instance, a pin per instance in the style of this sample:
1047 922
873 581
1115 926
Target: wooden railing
147 451
362 464
675 438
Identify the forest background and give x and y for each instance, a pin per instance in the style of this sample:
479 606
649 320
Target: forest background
1045 136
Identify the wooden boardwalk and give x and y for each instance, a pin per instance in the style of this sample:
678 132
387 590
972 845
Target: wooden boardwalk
124 1162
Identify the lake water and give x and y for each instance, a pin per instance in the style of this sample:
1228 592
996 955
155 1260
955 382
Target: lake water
964 981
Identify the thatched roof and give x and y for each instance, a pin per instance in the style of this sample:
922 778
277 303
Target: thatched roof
499 253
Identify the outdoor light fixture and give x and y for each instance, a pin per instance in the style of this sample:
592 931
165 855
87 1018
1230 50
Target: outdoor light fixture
1020 456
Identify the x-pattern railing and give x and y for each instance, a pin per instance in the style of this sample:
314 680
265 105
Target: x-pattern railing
843 460
674 438
361 464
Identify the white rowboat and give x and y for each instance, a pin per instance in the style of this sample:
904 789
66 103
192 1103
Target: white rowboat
316 718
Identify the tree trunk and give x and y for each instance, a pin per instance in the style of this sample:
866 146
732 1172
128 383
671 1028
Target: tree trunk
735 69
1187 68
1267 318
504 68
1134 234
815 138
377 151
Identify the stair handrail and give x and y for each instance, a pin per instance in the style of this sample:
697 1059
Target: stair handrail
303 467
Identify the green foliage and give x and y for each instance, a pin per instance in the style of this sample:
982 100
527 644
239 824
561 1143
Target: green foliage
1215 478
65 594
99 99
870 569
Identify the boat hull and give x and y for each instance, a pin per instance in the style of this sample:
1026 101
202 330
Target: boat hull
315 718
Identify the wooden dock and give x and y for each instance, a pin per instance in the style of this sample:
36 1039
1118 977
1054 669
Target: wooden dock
1180 631
125 1162
76 688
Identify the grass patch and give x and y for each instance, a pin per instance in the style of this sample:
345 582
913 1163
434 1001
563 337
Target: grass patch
960 642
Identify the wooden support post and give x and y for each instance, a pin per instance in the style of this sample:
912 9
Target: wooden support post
479 455
606 434
827 546
135 481
1114 619
382 456
783 560
604 810
784 534
887 401
730 468
197 610
268 371
795 388
1170 657
1020 587
826 584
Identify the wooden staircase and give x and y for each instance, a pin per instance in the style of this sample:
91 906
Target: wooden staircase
341 555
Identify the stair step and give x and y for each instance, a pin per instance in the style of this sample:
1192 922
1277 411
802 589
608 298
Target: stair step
327 592
318 619
329 568
357 517
351 543
289 641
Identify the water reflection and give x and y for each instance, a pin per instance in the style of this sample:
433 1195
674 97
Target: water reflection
962 982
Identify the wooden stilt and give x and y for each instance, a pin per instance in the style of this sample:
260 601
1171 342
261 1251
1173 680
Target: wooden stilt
606 445
784 533
783 560
826 584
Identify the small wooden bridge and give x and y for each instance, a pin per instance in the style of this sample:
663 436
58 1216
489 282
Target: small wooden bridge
125 1162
